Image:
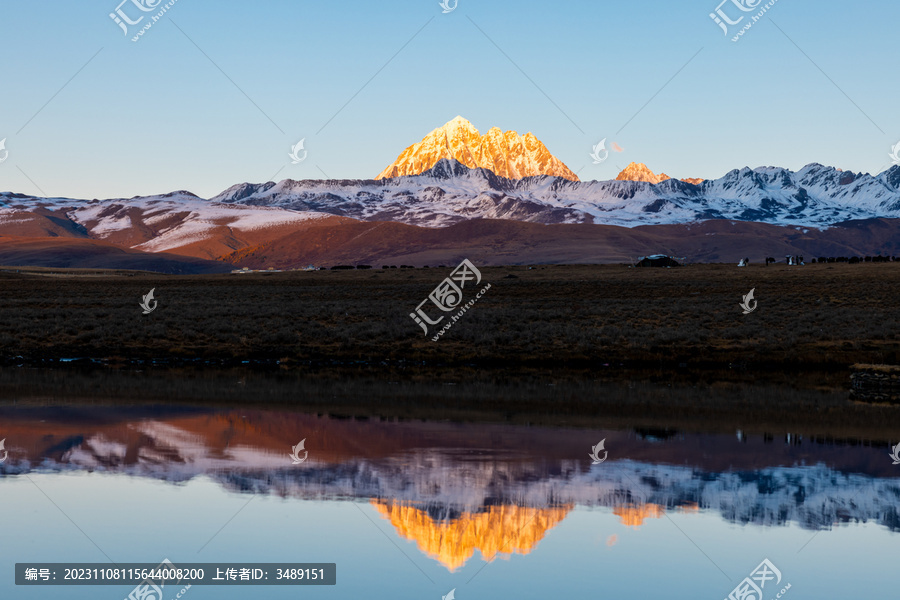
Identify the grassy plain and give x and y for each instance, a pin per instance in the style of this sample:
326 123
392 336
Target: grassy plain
579 316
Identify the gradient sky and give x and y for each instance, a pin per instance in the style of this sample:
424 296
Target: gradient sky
360 81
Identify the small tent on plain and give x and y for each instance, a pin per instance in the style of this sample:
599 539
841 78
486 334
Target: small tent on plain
657 260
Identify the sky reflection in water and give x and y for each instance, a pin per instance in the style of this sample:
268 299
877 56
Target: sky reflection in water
414 509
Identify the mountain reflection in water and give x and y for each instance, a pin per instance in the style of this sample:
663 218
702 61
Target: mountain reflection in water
456 488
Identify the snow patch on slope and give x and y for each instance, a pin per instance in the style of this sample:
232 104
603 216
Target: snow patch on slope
196 220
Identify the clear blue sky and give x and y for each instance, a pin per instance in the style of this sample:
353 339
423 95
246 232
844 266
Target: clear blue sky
157 115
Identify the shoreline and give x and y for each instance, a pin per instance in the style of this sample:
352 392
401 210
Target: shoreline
685 365
814 405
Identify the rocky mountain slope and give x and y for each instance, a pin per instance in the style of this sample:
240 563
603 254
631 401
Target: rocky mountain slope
179 222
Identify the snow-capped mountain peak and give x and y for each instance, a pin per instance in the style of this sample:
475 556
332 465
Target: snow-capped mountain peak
640 172
506 154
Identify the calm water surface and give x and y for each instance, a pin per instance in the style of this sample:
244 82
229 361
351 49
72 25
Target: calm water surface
415 508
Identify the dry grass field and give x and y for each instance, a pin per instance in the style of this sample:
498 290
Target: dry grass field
814 316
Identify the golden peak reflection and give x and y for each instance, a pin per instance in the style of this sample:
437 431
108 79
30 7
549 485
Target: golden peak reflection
498 530
633 515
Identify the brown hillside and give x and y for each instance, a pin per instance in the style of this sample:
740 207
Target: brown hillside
499 242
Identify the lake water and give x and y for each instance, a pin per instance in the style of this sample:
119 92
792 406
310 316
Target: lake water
415 508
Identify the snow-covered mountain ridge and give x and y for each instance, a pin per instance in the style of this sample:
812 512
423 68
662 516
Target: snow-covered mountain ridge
814 196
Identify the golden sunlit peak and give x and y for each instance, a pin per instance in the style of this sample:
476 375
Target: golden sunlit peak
506 154
640 172
633 516
502 530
